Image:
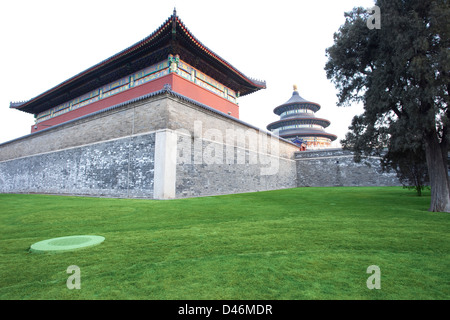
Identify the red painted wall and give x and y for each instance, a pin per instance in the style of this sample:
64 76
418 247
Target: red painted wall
202 95
178 84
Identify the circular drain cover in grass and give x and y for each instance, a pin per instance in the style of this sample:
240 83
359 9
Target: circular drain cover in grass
66 243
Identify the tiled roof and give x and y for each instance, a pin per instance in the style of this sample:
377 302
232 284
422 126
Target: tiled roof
165 36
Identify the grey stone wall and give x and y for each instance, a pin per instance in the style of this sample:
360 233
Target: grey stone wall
113 153
138 117
117 153
244 171
336 167
218 155
202 123
117 168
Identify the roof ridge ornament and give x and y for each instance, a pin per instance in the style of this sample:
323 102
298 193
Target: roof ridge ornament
295 93
174 24
15 104
167 87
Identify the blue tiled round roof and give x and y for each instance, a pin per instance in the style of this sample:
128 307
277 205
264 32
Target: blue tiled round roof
295 102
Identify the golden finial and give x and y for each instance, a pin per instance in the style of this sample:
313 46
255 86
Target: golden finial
295 87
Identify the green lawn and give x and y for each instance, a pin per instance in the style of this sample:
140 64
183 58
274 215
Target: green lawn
304 243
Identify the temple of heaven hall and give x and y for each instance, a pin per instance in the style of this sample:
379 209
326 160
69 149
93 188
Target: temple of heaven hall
299 124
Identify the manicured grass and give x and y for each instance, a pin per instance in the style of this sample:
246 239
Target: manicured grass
305 243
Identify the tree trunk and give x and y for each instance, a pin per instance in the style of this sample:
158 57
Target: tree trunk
438 173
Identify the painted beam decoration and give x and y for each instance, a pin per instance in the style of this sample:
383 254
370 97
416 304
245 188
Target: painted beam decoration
172 64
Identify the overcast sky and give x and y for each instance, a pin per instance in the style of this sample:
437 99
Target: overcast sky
283 42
